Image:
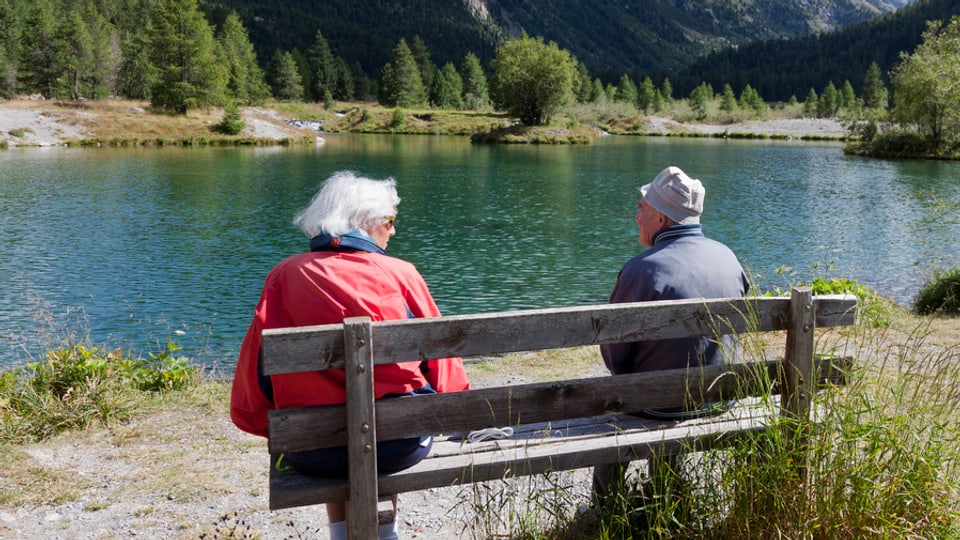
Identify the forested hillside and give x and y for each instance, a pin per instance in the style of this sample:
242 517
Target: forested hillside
779 69
611 37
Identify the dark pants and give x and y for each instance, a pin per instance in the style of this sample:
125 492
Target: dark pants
392 456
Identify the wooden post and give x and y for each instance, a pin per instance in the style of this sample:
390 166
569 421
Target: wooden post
798 357
799 383
361 429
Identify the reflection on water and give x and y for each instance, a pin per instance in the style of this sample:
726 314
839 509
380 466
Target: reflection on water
133 247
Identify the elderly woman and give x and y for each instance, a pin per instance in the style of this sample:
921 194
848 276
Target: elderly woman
346 273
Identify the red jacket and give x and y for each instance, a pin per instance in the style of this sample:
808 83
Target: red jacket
323 287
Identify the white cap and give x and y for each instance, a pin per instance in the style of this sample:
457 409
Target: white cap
676 195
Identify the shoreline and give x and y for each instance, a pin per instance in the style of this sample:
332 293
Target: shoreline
51 123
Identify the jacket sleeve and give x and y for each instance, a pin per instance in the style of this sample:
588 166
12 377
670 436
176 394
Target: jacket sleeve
248 404
443 374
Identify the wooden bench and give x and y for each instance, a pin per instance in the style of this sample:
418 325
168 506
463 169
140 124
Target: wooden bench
559 425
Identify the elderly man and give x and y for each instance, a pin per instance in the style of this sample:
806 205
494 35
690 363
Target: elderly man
681 263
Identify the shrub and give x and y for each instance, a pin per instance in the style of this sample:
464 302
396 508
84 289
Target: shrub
398 120
941 294
232 122
871 309
77 385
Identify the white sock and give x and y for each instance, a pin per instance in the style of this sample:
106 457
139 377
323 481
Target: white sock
338 530
388 531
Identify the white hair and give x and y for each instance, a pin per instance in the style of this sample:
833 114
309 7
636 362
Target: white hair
346 202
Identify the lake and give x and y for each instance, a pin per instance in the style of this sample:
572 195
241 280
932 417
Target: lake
134 247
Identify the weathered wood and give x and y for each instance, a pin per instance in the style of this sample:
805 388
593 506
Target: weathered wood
361 430
559 425
500 459
291 350
318 427
798 355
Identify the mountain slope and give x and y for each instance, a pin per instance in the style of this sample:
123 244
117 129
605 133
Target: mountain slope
779 69
611 37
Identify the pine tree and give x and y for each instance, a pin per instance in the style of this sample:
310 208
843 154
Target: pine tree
136 78
284 78
245 78
324 69
667 90
874 91
447 87
810 103
9 49
344 89
848 98
750 99
700 98
476 94
401 84
645 95
183 54
728 100
829 102
421 54
38 62
626 90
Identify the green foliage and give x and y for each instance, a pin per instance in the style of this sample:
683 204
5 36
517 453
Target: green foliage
940 294
78 385
750 99
925 92
728 101
401 83
700 99
872 310
398 119
232 122
245 80
476 94
874 89
283 77
183 54
446 88
533 79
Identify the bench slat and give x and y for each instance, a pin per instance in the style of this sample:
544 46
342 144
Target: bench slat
291 350
319 427
499 459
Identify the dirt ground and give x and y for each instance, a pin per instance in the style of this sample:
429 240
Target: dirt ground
176 473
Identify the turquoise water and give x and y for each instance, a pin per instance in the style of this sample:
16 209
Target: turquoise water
132 247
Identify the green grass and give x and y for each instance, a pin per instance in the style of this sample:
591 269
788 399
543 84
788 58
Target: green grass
77 385
883 461
940 294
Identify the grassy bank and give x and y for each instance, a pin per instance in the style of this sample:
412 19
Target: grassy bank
159 453
132 123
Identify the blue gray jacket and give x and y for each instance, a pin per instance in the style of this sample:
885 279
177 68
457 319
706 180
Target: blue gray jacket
682 264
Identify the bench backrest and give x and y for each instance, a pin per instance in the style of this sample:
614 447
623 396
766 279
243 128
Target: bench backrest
358 344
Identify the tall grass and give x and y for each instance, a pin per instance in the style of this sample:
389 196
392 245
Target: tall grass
78 385
881 461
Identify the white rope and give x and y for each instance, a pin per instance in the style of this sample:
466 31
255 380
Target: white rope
490 433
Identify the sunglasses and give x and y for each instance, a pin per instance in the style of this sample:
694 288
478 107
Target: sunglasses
389 221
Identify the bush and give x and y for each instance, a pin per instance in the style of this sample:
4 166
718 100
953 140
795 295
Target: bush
941 294
77 385
871 309
398 120
232 122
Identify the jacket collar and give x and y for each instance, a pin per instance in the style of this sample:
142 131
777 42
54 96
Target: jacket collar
355 240
677 231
